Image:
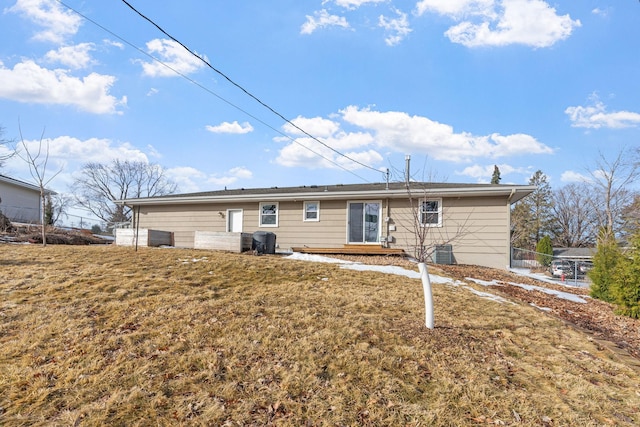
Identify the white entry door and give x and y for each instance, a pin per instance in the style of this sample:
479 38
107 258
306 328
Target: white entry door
234 220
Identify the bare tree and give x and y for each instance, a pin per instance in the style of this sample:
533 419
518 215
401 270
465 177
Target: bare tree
98 185
576 222
427 216
38 161
5 155
613 179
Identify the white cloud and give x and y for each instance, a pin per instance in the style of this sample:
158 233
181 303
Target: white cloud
175 59
186 178
233 128
322 19
572 176
398 28
29 83
231 176
354 4
69 154
401 132
456 8
395 132
57 22
500 23
75 57
595 116
316 126
484 173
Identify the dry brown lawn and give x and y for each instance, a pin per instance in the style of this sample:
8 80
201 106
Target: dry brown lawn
103 335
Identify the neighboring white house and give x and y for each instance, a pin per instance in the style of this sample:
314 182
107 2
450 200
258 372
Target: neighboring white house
20 201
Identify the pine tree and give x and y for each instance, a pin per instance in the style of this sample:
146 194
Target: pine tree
495 178
625 288
544 251
605 262
532 217
48 211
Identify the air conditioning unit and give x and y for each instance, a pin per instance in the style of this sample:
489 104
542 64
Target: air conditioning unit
444 254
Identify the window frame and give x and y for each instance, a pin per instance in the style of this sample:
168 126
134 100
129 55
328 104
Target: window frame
305 211
422 212
261 214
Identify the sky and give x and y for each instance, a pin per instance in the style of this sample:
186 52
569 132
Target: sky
289 93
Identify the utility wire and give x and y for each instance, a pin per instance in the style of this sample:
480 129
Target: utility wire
206 89
245 90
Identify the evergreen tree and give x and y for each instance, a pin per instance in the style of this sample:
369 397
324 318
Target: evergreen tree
48 211
625 288
544 251
605 262
495 178
532 217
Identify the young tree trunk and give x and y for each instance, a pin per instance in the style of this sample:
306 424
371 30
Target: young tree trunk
428 294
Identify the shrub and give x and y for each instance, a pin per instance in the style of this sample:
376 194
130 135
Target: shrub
625 288
544 248
605 263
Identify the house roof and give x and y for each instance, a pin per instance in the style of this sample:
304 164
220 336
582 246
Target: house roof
23 184
574 252
341 191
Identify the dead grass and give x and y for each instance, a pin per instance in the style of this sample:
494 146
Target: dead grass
102 335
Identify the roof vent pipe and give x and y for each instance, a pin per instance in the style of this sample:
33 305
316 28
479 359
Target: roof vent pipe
407 174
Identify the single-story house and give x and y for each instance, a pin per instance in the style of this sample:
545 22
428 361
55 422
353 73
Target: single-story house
20 201
474 219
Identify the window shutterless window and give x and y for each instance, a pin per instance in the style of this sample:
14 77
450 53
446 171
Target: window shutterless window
311 211
431 213
268 214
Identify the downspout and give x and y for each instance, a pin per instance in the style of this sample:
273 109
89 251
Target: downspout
386 222
137 223
509 248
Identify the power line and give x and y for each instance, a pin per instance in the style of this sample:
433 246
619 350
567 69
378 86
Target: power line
245 90
210 91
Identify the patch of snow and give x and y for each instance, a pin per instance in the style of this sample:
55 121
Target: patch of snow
540 308
489 296
562 295
483 282
316 258
390 269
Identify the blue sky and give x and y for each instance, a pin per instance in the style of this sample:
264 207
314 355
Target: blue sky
460 85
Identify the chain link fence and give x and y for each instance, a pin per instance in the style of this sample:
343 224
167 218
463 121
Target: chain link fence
562 266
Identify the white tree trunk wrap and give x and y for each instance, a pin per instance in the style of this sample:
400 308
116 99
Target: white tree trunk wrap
428 295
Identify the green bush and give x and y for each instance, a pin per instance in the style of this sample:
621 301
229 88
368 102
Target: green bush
625 288
544 248
605 263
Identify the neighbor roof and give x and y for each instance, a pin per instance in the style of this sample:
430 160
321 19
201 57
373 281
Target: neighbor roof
23 184
340 191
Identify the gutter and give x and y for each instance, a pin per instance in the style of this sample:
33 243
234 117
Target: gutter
331 195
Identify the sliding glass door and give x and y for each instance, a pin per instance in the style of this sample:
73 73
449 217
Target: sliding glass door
364 222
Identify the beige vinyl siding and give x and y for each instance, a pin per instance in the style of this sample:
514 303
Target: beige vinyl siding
477 228
184 220
292 230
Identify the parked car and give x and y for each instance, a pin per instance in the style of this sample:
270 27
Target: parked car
584 267
560 267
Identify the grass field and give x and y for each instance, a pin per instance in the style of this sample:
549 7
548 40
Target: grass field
103 335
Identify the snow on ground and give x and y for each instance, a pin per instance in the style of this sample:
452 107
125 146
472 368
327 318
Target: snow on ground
390 269
563 295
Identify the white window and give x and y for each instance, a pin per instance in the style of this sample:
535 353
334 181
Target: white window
311 211
431 212
268 214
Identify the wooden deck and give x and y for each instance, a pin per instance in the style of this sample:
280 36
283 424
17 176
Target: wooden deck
352 250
